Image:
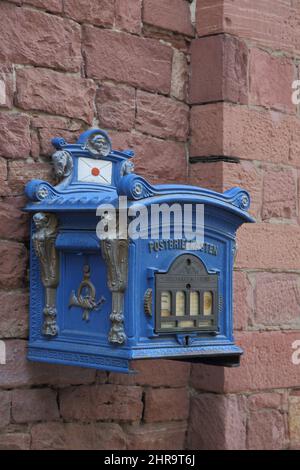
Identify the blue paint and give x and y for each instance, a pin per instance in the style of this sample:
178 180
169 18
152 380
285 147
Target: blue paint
86 343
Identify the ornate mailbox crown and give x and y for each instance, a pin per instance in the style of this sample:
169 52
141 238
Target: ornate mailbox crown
103 295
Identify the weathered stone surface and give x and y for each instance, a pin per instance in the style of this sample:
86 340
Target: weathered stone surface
221 176
173 15
41 43
15 441
19 372
266 364
46 127
15 135
206 175
20 172
54 6
280 193
57 122
97 12
277 299
35 144
3 94
161 116
55 93
6 86
225 129
176 41
206 127
17 2
180 74
13 257
46 135
101 376
153 373
128 15
73 436
5 403
3 177
34 405
266 400
116 106
166 436
102 402
154 157
272 24
14 314
281 239
249 176
218 422
266 431
219 70
243 304
294 419
124 58
14 222
166 404
277 93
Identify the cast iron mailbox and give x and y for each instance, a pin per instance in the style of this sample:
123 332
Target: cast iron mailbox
101 297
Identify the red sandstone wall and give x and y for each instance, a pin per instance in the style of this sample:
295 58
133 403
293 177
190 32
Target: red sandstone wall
71 64
68 65
241 77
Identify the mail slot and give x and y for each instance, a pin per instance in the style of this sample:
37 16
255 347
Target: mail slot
110 282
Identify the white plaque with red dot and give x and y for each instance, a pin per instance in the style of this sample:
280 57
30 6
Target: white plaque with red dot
94 171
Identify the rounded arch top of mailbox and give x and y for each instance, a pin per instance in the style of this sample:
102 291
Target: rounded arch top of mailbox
89 173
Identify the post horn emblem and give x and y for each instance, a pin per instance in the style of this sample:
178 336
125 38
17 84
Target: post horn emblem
86 296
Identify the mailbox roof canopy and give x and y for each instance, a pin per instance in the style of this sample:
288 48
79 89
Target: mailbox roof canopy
91 173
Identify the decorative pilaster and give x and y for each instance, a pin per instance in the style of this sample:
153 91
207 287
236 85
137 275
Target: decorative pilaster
115 254
44 246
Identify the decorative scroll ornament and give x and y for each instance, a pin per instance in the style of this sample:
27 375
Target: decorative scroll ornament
62 163
115 254
242 200
44 246
135 187
86 296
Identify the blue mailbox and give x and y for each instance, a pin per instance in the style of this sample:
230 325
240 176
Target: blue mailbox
110 282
